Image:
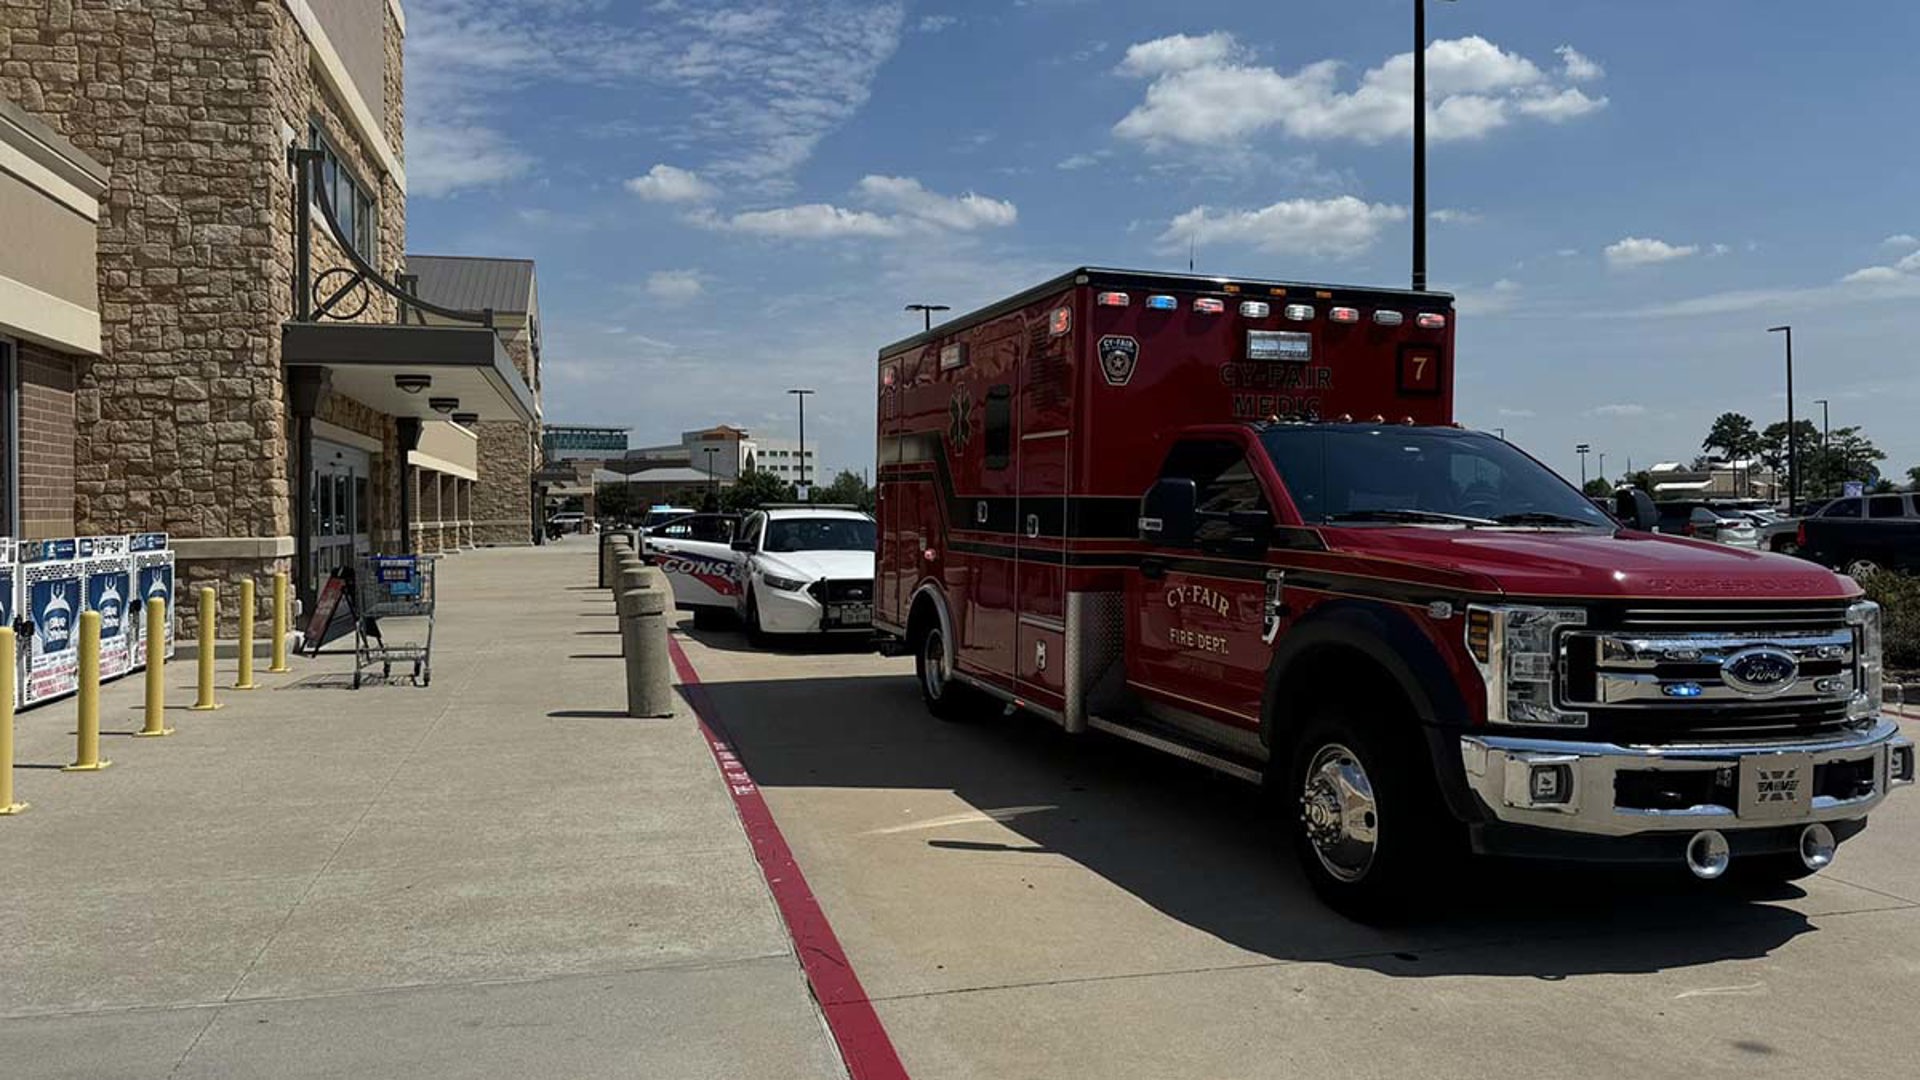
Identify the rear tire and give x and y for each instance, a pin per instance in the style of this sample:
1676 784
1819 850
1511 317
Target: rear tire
1366 822
1862 569
945 696
708 618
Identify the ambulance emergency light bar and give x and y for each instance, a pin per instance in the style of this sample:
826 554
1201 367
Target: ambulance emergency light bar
1260 309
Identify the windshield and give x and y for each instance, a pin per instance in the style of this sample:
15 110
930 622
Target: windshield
819 534
1355 474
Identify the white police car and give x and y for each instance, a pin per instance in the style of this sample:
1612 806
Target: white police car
787 570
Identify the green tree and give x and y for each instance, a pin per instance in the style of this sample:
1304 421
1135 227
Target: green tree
848 487
1913 478
755 489
1733 435
1598 487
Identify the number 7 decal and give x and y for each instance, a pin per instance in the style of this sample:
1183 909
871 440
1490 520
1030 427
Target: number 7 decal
1420 370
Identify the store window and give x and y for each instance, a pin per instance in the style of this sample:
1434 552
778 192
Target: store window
353 202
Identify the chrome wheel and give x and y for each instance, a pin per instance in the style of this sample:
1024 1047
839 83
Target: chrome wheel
1861 569
1339 812
933 665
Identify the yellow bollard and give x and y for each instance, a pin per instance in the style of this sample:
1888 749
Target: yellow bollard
205 702
87 759
156 675
245 679
8 807
279 645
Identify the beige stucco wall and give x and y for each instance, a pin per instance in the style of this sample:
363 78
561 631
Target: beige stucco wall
48 247
448 448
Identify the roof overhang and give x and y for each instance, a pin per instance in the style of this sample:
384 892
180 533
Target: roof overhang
465 362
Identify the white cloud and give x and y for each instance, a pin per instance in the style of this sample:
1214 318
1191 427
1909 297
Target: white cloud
933 24
1645 251
1203 92
1180 52
1718 249
964 213
666 183
1339 227
1567 253
675 286
1906 269
1501 296
911 208
1576 66
1901 240
811 221
1449 216
754 87
1517 413
1078 161
443 159
1627 409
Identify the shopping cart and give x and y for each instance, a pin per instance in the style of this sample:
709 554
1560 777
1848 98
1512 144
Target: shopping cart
393 587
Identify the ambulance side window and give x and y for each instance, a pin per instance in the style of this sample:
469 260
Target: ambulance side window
1225 483
999 427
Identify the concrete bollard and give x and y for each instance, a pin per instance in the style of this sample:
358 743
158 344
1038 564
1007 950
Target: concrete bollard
156 718
204 702
8 806
631 579
609 541
643 633
243 680
279 624
86 757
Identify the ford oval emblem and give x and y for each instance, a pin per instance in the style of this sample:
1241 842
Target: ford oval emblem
1761 671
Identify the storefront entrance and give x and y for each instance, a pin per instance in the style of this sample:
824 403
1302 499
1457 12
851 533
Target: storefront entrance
342 507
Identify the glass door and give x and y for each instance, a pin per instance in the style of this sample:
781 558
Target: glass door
341 509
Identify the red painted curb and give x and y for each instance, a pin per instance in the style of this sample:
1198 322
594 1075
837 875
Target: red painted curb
864 1045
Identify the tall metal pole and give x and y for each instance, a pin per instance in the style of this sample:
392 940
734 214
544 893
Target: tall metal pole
802 395
1582 449
1420 147
1826 425
1793 436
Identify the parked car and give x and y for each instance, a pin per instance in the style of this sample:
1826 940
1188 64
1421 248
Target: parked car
786 570
668 536
1864 534
567 521
1706 522
660 515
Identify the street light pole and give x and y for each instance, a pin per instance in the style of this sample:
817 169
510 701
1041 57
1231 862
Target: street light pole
1419 145
802 395
1826 425
1793 436
1582 449
927 310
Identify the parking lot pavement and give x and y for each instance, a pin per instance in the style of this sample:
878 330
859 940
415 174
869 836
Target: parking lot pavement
1023 903
499 875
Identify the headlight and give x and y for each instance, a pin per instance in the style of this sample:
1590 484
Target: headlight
1516 650
1864 617
784 584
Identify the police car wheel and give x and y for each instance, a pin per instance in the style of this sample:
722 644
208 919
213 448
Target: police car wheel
1362 821
755 634
707 618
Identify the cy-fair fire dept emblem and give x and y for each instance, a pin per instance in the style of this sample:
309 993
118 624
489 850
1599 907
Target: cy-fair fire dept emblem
1118 355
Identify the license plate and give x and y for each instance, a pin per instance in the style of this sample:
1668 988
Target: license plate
1774 786
850 615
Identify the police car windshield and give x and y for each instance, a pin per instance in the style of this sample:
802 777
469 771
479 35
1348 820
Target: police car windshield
819 534
1362 474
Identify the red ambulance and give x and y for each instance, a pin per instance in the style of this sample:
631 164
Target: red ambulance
1233 520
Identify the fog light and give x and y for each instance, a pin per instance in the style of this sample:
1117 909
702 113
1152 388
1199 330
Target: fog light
1830 686
1551 784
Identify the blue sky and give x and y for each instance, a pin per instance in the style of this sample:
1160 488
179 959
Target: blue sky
729 199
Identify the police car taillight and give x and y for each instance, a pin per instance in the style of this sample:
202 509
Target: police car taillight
1344 315
1207 305
1112 299
1388 318
1430 320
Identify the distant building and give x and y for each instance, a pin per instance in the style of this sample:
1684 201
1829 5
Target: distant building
576 442
1738 479
734 450
782 458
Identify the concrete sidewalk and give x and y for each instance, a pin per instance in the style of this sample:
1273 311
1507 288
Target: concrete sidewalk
498 875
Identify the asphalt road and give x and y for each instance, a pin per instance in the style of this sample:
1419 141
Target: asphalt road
1022 903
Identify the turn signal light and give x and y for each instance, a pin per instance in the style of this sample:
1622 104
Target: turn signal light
1480 634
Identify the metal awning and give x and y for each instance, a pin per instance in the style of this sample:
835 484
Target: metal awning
467 363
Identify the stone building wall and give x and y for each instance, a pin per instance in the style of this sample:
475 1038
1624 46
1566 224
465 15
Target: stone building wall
182 423
46 441
508 454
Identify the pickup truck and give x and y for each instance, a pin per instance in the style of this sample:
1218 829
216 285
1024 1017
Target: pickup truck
1864 534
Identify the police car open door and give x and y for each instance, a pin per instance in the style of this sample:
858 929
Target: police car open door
696 553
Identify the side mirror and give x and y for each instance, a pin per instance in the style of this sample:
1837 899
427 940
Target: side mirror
743 546
1635 508
1167 512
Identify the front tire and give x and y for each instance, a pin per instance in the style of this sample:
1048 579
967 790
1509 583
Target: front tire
1366 822
756 635
707 618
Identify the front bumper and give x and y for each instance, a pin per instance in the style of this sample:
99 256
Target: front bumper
1590 792
796 613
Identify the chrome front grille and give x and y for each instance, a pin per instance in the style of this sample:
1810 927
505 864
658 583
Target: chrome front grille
1655 675
856 591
